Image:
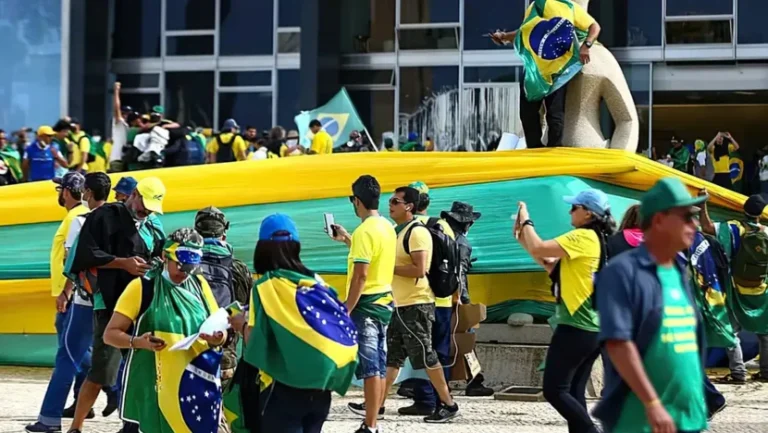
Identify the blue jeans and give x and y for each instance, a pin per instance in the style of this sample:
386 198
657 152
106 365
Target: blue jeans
713 397
291 410
75 333
371 347
423 391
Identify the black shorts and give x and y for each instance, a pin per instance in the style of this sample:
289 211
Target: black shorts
105 361
410 336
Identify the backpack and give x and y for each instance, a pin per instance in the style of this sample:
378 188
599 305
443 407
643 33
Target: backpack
195 151
225 153
218 273
750 264
242 281
444 273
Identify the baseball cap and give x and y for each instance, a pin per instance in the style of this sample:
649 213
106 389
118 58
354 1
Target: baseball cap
45 130
666 194
72 181
158 109
230 124
152 191
754 206
211 222
420 186
125 185
278 223
126 109
592 199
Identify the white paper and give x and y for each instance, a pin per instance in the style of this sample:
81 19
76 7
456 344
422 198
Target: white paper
216 322
508 142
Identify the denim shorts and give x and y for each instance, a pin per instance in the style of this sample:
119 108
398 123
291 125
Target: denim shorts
371 347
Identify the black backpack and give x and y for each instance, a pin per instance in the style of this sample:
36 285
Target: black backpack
444 273
218 273
225 153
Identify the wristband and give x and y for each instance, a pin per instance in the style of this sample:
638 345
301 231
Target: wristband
654 402
130 343
527 222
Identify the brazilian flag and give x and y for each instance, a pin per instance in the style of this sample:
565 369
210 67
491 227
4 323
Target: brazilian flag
298 322
548 44
736 167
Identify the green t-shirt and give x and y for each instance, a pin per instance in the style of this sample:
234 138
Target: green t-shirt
672 364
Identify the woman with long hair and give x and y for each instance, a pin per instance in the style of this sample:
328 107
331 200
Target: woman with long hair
629 236
572 260
297 334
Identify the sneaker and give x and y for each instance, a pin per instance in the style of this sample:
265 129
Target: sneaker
728 379
716 411
443 413
405 391
359 409
111 406
74 430
365 429
419 409
478 390
70 412
39 427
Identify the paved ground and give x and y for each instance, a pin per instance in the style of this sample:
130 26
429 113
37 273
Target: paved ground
22 389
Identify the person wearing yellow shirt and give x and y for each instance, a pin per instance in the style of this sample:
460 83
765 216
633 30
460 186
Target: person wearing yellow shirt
322 143
370 269
720 149
227 146
81 147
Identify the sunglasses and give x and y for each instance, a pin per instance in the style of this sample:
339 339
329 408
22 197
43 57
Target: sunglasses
687 216
394 201
352 199
576 207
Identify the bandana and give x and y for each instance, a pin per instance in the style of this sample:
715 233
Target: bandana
188 255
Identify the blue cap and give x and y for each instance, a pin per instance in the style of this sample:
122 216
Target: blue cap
125 185
413 136
593 200
230 124
278 222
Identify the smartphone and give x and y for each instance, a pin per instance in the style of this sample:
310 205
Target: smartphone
329 225
516 217
156 340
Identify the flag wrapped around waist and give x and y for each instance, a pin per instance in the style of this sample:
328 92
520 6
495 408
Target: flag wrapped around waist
299 322
548 44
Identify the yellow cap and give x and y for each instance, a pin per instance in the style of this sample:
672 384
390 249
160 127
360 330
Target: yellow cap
152 192
45 130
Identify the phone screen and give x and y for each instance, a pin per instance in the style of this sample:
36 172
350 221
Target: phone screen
328 220
517 220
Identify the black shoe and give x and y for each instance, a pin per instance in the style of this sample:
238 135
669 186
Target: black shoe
443 413
111 406
364 429
405 391
39 427
359 409
728 379
70 412
74 430
419 409
716 411
478 391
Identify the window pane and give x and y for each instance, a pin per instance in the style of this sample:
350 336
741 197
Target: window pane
288 42
30 78
290 13
248 109
488 112
481 17
429 103
752 28
360 76
429 11
246 27
141 103
699 32
245 78
429 39
137 32
496 74
189 98
288 91
699 7
377 111
133 81
367 27
189 45
628 23
190 14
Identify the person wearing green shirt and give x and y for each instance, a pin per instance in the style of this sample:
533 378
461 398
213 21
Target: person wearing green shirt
679 155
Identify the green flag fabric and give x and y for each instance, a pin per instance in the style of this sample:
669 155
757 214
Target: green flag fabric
11 160
338 118
736 166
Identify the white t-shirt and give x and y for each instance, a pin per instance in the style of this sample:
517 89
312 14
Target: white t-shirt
119 139
74 231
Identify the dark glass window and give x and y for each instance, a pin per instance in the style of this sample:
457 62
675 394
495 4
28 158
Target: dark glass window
246 27
289 13
493 74
189 98
254 109
628 23
189 46
141 102
377 111
699 7
429 11
133 81
752 28
481 17
367 76
289 42
429 39
137 31
288 97
245 78
429 103
190 14
367 27
699 32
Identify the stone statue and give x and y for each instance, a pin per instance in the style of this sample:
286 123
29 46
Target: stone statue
600 79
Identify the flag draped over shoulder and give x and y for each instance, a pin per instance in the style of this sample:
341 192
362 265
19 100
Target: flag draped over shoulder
173 391
548 44
299 322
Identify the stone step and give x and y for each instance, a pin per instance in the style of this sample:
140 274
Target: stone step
501 333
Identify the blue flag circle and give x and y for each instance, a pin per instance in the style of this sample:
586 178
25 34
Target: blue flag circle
552 39
330 125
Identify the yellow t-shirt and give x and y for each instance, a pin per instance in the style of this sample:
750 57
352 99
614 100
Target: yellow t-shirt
577 271
322 143
80 147
58 280
448 300
129 303
373 242
412 291
722 165
239 147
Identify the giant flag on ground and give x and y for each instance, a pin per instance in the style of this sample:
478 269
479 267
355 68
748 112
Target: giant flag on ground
338 117
548 44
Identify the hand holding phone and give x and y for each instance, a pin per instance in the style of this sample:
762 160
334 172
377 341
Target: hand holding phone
516 217
329 225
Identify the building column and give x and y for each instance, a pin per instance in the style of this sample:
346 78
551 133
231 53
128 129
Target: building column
320 51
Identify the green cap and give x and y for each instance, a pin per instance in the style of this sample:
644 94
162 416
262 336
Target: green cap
668 193
158 109
420 186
